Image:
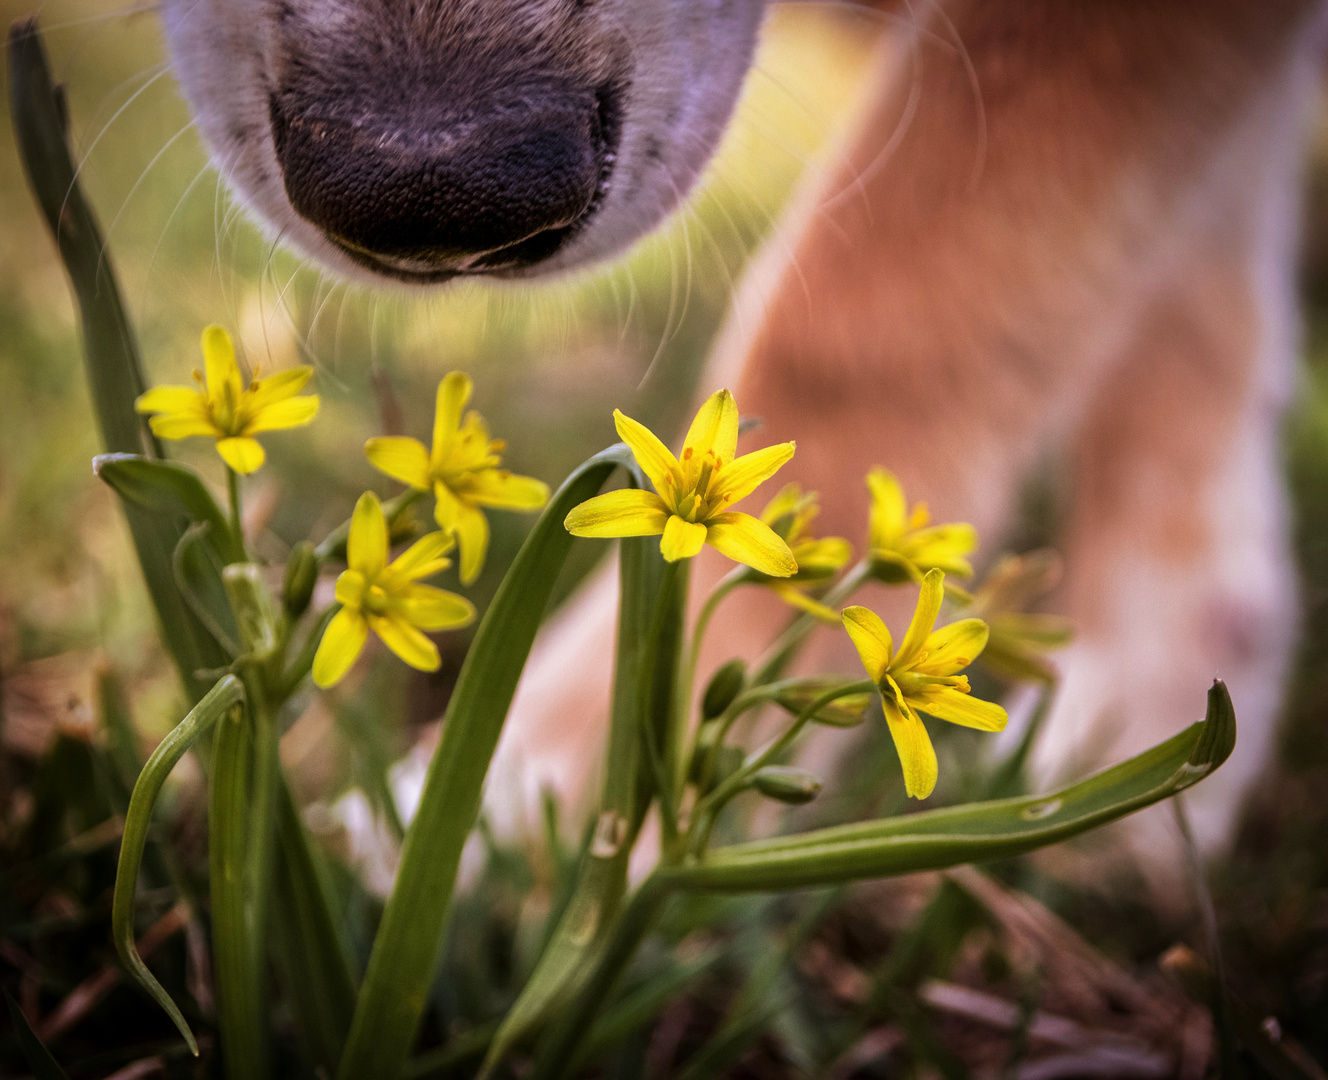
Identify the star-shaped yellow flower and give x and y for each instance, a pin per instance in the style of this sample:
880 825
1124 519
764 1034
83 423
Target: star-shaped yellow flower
923 676
790 514
690 504
227 410
903 544
387 598
462 470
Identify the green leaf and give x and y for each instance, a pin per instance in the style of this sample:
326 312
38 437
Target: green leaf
410 936
603 870
237 969
307 944
977 832
110 352
221 698
169 488
43 1066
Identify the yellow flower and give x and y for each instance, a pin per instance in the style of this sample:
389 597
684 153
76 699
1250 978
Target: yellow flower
690 504
923 676
1020 639
387 597
790 514
903 545
461 470
227 410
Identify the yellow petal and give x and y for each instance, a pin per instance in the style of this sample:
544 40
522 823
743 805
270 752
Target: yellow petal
753 543
402 459
341 645
943 546
956 707
242 454
741 477
924 618
446 507
626 512
407 642
871 637
889 511
821 558
434 609
786 502
293 412
424 557
795 597
350 588
223 374
172 399
916 753
682 539
279 387
952 648
507 491
453 393
655 459
182 425
472 530
366 547
715 428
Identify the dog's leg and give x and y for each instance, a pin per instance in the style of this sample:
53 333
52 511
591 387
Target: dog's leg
1179 565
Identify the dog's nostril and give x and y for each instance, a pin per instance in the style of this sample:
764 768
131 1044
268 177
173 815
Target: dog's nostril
421 195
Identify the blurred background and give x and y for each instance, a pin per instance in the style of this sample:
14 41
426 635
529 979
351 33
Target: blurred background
550 362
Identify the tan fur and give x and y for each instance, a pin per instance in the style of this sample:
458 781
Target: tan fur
1080 246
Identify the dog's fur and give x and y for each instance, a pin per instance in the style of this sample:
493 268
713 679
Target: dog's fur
1054 229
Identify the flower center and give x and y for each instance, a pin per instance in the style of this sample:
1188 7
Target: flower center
376 600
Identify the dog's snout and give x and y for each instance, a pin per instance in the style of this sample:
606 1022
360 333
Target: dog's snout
426 193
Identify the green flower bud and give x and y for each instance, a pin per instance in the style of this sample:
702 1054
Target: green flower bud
787 784
725 685
301 576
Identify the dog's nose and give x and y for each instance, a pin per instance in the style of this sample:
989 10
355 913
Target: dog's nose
497 187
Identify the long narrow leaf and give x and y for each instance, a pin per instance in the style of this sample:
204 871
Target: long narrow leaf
410 937
307 943
237 969
110 352
221 698
976 832
603 871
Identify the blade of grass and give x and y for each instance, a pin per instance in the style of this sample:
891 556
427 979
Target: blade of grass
40 1061
223 697
410 937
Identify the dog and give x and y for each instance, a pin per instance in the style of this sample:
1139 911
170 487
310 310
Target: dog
1054 231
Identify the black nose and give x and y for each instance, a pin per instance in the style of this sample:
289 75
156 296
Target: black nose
430 192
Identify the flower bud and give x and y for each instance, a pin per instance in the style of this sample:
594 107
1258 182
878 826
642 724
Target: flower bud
301 576
725 685
787 784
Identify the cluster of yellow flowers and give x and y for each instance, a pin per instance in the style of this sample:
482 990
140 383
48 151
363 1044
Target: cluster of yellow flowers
462 470
690 506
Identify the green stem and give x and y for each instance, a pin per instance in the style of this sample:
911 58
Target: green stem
723 587
777 657
237 518
237 968
558 1055
661 716
708 809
